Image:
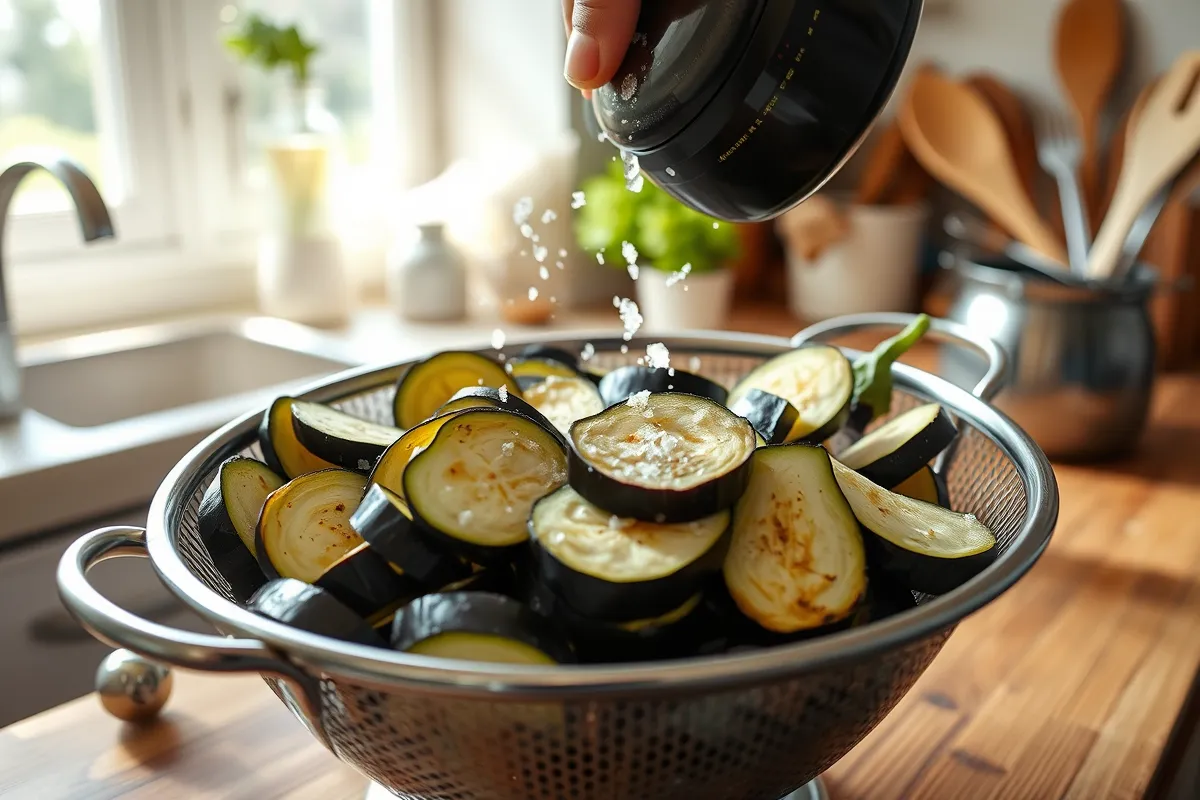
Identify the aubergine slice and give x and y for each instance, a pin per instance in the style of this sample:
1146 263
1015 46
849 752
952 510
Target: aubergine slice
925 485
389 469
304 527
341 438
312 609
430 383
817 379
796 560
662 457
530 371
922 546
367 584
551 353
472 488
624 382
609 568
487 397
499 578
478 626
281 449
565 401
227 517
898 448
771 415
386 523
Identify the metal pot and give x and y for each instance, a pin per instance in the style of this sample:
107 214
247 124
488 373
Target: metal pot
1082 357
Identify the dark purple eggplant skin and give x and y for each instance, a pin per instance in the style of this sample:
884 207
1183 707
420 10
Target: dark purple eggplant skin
395 537
624 382
365 583
919 572
228 552
312 609
885 598
512 404
771 415
481 613
352 455
898 466
550 353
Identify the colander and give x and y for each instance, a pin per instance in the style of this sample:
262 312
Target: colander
753 726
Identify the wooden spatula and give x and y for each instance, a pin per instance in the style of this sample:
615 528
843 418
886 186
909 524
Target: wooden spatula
1116 146
883 164
1089 51
1163 139
955 135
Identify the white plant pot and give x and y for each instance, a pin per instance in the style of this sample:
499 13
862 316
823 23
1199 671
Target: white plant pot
873 269
698 302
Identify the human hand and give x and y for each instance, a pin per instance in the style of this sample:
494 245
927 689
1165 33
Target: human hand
598 34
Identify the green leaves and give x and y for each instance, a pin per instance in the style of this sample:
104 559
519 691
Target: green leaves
270 46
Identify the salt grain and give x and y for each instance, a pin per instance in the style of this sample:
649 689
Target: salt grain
634 271
558 264
503 391
522 210
578 200
464 516
588 351
694 363
526 230
639 400
506 449
498 338
600 258
533 293
716 225
631 318
628 86
624 349
629 252
548 216
539 254
553 299
562 252
676 277
658 356
671 171
544 273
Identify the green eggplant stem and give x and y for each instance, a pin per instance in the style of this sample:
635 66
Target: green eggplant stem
873 371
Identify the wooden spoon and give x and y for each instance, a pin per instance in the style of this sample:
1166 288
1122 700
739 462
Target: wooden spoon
882 166
958 139
1089 51
1163 139
1116 146
1017 126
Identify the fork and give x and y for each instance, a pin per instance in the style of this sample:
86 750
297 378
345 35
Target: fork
1059 152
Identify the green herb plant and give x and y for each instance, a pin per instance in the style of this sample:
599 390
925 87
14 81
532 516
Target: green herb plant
666 233
269 46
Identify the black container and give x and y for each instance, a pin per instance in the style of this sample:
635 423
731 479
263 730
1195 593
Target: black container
742 109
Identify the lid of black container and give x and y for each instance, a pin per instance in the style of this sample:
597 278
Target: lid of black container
681 54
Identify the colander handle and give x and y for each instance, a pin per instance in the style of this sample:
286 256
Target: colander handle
939 329
115 626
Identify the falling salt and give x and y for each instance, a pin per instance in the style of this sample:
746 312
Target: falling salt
549 216
630 317
503 392
533 293
671 171
562 252
676 277
658 356
616 301
716 225
558 264
629 252
464 516
506 449
639 400
526 230
628 86
553 299
498 339
632 171
588 351
539 254
364 465
600 258
535 238
694 363
578 200
543 273
633 271
624 349
614 523
522 210
602 137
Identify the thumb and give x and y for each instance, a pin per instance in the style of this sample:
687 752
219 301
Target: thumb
601 31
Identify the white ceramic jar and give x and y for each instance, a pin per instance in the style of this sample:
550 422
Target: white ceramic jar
428 281
699 301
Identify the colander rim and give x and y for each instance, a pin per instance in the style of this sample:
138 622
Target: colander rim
387 668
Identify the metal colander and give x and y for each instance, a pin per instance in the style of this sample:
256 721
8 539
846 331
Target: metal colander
755 726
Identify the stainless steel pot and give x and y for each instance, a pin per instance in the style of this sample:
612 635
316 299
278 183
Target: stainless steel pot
1081 356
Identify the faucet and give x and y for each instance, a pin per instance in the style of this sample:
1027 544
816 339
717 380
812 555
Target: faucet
95 224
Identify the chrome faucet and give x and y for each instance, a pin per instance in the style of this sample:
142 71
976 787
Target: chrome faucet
94 222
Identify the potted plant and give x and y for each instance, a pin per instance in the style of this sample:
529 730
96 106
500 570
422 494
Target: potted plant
301 274
678 257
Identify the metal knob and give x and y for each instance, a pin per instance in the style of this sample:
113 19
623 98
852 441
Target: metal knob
132 688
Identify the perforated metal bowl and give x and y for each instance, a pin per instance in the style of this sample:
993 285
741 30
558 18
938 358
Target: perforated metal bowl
753 726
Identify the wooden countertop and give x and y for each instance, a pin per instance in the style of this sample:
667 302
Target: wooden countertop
1067 686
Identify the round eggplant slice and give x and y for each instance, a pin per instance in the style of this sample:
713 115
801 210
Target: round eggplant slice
796 561
386 523
487 397
608 568
226 519
281 449
529 371
389 469
430 383
312 609
367 584
340 438
772 416
817 379
662 457
551 353
305 528
624 382
565 401
898 448
922 546
473 487
927 486
478 626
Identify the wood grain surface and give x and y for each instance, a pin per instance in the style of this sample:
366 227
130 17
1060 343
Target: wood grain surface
1066 687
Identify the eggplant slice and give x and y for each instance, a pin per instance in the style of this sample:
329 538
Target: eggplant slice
340 438
478 626
227 517
817 379
771 415
898 448
924 547
549 352
565 401
528 371
386 523
608 568
624 382
367 584
281 449
430 383
312 609
662 457
487 397
389 469
305 528
925 485
474 486
796 560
